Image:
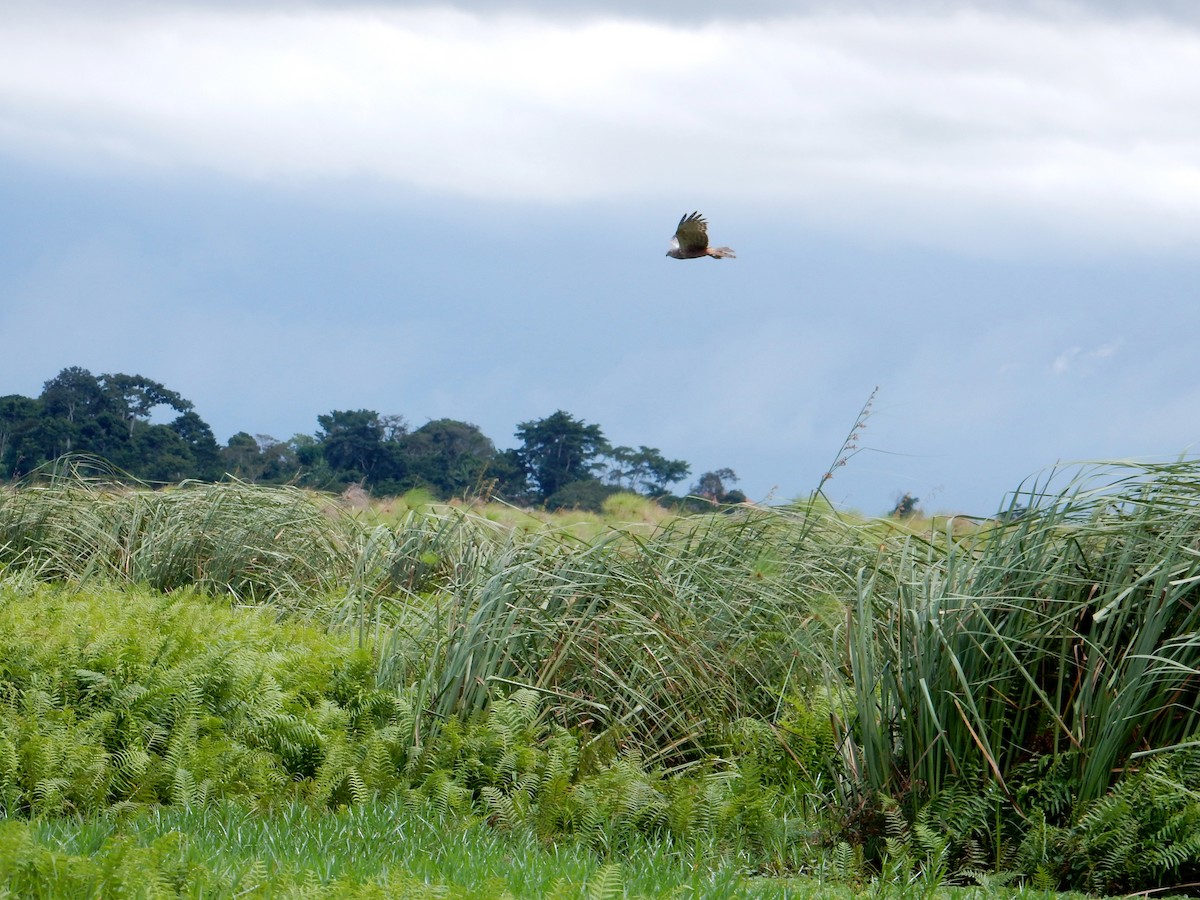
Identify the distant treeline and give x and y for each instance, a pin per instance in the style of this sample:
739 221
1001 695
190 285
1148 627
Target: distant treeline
560 462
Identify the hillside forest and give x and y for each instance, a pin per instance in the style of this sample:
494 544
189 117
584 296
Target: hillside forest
154 435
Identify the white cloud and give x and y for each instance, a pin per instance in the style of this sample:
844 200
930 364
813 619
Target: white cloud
1079 360
1062 363
971 123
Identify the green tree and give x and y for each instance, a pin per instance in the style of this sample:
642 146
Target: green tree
508 477
19 418
242 457
79 416
262 458
198 438
137 396
159 453
281 463
450 456
74 394
711 486
109 416
645 470
308 450
354 446
558 450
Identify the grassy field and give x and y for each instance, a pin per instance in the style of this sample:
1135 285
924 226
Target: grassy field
226 690
382 849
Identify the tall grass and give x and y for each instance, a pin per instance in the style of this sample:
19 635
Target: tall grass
1072 629
271 545
1069 628
653 636
659 638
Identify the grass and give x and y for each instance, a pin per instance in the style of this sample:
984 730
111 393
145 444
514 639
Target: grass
382 849
1071 630
768 685
623 510
623 632
270 546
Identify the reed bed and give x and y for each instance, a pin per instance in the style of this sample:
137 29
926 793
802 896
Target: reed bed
256 544
660 638
1039 664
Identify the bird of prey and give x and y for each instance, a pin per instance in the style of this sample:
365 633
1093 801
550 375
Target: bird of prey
691 240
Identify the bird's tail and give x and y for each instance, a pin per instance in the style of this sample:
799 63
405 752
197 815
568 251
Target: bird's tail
721 252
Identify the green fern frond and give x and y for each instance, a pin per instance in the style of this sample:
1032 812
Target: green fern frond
183 788
606 883
847 862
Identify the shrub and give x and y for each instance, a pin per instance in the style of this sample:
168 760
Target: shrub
586 495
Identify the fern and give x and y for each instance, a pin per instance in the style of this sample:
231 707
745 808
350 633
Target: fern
10 785
606 884
446 793
184 791
508 811
337 781
131 698
847 862
1146 829
129 766
593 828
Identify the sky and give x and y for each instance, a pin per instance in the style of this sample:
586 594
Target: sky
983 215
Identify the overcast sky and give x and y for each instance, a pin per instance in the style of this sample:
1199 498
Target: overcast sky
991 211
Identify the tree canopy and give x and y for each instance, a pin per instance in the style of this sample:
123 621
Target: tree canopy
558 450
107 416
154 434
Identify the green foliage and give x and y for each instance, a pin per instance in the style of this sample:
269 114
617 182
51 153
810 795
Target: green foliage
110 700
542 778
382 849
257 544
1071 628
352 442
1144 832
452 458
644 468
118 701
623 634
589 495
261 458
805 733
714 486
1033 663
558 450
108 416
1017 699
123 868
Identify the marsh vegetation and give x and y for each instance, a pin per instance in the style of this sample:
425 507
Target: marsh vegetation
261 689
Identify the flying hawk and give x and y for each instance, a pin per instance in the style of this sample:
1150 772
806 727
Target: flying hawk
691 240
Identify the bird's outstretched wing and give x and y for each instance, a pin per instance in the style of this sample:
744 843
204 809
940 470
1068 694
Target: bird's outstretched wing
692 234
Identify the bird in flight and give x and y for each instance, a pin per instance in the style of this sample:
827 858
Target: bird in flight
691 240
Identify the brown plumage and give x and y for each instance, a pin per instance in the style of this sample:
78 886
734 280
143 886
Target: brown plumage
691 240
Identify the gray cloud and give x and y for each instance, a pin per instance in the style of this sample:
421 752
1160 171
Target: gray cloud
976 129
683 13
